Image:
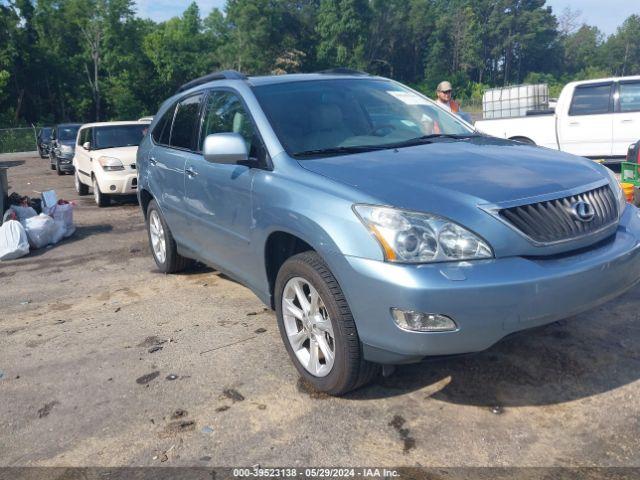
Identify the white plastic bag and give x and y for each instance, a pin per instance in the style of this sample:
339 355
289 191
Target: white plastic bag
59 231
63 213
13 241
40 230
23 212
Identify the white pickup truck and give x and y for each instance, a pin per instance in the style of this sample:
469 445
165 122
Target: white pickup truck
597 119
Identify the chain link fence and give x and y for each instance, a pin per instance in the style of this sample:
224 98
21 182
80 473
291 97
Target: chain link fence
17 140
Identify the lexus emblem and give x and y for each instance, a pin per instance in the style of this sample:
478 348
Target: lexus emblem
582 211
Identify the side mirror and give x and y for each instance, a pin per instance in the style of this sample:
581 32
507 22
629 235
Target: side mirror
86 145
227 148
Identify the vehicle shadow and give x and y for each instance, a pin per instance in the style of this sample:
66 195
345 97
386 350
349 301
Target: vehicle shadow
11 163
575 358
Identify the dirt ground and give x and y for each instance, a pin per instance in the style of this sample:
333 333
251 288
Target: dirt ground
104 361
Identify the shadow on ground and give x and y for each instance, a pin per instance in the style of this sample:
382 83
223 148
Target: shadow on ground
568 360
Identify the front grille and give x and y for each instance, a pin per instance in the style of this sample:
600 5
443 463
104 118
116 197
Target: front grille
551 221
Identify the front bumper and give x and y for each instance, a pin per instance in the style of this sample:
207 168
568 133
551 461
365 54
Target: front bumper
65 163
488 299
123 182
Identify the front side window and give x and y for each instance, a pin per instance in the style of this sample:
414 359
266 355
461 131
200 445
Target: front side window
185 123
630 97
324 115
119 136
591 100
225 113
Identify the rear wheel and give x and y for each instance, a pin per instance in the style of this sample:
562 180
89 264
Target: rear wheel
81 188
163 246
101 199
317 327
58 170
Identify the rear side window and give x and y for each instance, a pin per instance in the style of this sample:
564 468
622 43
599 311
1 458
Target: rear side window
630 97
162 131
591 100
185 123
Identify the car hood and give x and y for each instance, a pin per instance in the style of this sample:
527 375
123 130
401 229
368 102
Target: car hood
480 170
127 155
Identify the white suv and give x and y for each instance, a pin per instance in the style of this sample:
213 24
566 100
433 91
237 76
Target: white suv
105 159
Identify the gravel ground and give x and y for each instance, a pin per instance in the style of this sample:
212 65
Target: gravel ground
104 361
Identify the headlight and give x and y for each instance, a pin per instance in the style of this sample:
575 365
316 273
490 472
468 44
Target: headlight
412 237
617 190
66 149
110 164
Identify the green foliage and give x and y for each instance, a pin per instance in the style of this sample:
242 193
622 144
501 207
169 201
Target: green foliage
79 60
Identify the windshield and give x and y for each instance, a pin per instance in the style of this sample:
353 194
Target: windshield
67 133
342 116
119 136
45 133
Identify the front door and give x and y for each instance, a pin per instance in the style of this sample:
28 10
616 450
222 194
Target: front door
218 196
82 158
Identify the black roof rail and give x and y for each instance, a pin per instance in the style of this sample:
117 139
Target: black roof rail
342 71
222 75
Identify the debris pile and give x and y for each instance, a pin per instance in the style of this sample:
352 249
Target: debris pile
34 223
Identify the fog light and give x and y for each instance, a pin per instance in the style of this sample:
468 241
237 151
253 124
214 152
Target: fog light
112 188
422 322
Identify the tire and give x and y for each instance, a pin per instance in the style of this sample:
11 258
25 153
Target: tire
101 199
58 171
81 188
172 262
349 369
52 163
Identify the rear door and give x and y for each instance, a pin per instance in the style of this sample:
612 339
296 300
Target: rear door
175 139
587 130
626 121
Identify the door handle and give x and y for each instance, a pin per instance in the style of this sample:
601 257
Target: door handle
573 124
191 172
153 161
627 120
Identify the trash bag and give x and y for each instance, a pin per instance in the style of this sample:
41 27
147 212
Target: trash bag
23 212
13 241
59 231
40 230
63 212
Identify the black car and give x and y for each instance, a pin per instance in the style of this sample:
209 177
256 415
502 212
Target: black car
63 146
44 141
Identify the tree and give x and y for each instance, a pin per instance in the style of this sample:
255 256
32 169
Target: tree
342 30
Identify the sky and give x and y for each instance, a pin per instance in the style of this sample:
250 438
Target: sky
607 15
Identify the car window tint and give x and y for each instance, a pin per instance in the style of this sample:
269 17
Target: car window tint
591 100
162 130
630 97
225 113
81 136
185 123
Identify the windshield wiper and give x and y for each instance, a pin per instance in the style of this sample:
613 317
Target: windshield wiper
425 139
339 150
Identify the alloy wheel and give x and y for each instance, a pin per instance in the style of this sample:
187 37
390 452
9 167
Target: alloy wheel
308 327
156 233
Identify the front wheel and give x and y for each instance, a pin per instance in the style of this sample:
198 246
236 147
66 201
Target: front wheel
101 199
81 188
317 327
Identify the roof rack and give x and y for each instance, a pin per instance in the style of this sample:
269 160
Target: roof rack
222 75
343 71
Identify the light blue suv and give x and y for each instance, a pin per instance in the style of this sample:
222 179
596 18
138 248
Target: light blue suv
381 228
